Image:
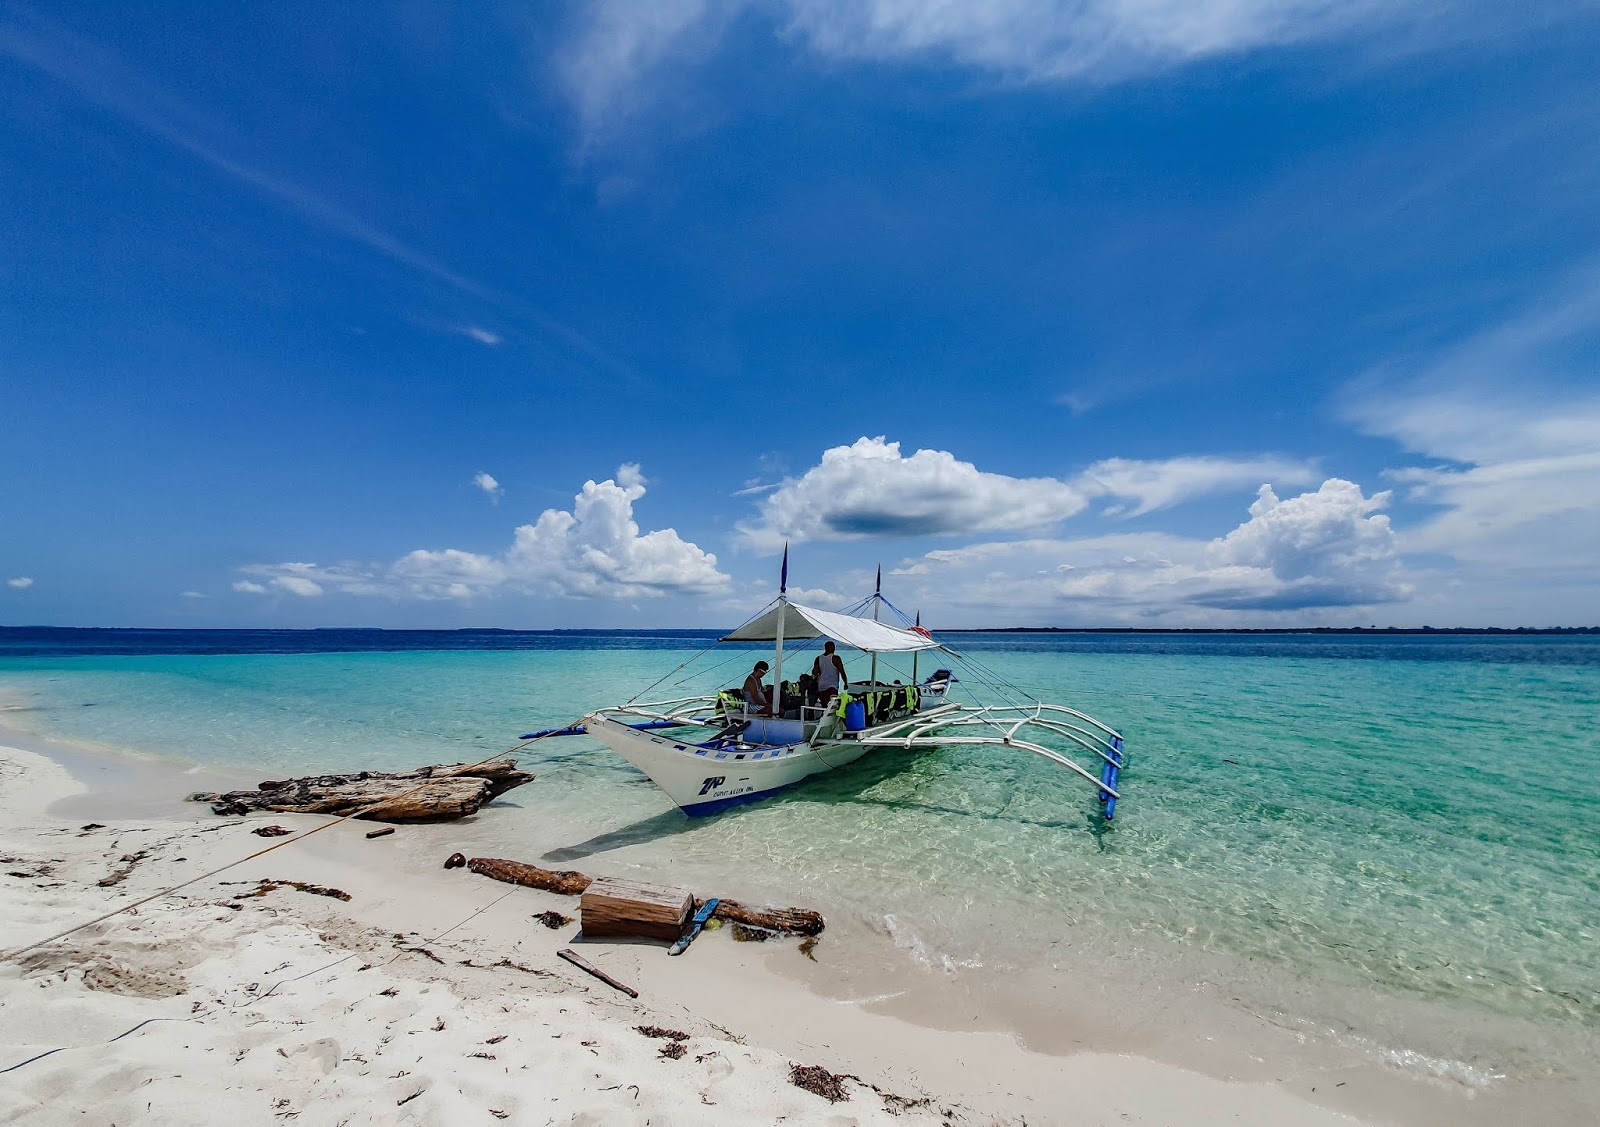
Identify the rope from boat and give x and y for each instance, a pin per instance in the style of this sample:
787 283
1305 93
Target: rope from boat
13 955
697 656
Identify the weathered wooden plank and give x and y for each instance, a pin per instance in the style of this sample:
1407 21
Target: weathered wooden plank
616 906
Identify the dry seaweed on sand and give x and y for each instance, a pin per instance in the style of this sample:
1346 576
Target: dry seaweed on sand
271 831
267 886
819 1081
553 920
661 1031
673 1050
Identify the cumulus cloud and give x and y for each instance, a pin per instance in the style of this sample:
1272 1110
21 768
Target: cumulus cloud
871 489
249 587
21 582
1150 486
1328 548
622 49
595 550
489 485
1322 552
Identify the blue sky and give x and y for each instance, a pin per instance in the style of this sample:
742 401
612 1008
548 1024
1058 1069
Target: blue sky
1230 312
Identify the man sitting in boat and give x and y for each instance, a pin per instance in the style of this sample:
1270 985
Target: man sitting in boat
828 673
757 695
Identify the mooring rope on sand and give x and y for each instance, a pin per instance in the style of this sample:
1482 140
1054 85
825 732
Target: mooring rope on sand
11 956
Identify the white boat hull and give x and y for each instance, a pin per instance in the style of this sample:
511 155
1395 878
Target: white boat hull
706 780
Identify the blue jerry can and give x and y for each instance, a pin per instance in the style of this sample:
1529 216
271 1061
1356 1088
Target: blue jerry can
855 716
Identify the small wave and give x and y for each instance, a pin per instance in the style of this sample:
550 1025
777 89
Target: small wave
1443 1068
908 940
869 1000
1472 1076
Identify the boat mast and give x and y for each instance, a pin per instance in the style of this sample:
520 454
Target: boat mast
777 657
877 598
915 654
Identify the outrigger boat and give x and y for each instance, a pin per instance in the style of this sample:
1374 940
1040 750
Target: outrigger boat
714 751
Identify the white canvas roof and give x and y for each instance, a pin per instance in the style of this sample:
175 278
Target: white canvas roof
807 622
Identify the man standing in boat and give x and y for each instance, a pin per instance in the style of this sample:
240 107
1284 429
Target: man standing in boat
828 674
757 695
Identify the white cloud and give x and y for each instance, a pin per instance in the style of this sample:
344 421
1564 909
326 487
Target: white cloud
1318 554
489 485
622 49
1161 485
1512 413
194 595
21 582
1328 548
299 579
481 335
871 489
298 585
1047 40
595 550
605 70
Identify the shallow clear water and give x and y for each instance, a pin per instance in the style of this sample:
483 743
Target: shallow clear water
1409 820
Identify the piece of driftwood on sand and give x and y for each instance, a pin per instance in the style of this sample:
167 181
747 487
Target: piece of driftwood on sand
429 794
789 921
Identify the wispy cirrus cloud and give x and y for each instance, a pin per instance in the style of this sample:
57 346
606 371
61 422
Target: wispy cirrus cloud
595 550
21 582
1147 486
621 52
1510 422
106 79
482 335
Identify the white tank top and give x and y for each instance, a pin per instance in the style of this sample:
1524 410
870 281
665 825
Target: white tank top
827 672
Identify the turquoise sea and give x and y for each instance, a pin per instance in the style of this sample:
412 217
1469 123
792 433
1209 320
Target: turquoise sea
1388 843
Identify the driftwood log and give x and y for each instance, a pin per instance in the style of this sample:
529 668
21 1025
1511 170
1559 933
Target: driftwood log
429 794
789 921
565 881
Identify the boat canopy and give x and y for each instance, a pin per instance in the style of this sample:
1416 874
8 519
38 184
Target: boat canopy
807 622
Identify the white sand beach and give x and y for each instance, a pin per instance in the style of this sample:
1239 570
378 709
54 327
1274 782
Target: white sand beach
436 997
